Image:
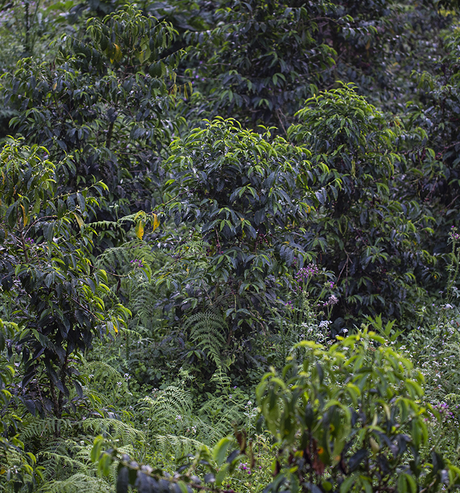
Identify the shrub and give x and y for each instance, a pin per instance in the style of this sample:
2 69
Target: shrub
368 237
247 193
349 418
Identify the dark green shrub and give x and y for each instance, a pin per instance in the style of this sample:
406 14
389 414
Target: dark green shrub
349 418
47 276
362 233
247 194
102 105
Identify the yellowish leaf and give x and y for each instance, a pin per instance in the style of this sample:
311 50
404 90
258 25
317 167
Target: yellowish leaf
24 217
118 53
156 222
79 219
140 230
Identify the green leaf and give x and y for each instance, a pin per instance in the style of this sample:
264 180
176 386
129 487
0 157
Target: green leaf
347 484
97 447
155 69
220 450
183 487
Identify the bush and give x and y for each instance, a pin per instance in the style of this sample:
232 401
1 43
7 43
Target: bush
349 418
247 193
367 236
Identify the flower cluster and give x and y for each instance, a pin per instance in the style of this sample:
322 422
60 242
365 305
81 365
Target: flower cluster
306 272
244 467
137 263
445 412
251 411
333 300
454 235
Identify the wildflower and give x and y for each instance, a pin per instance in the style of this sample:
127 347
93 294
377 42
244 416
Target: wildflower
137 263
306 272
453 234
333 300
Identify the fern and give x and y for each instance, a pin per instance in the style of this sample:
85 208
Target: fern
78 483
104 377
118 259
38 427
170 414
144 296
178 445
65 457
221 379
219 414
169 411
119 431
66 462
207 332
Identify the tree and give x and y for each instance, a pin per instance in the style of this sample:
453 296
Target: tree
247 194
349 418
102 105
262 59
361 232
46 273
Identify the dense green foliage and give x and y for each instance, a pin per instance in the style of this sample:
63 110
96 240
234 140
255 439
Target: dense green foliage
225 217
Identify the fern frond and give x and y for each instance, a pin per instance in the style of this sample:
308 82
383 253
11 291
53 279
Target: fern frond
105 375
221 379
178 445
78 483
119 431
118 259
207 332
145 294
169 411
61 460
38 427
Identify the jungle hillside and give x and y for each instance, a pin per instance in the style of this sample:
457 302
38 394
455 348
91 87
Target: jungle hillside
229 246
